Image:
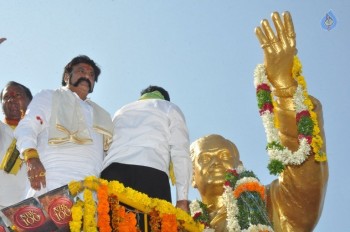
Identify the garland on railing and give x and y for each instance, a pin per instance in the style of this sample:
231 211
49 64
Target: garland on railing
108 196
103 218
77 214
244 198
306 119
89 223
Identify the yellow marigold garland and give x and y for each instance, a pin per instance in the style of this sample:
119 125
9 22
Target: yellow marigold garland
310 141
77 214
317 141
133 198
89 223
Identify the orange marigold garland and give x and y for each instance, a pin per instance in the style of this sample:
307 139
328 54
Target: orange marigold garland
117 192
247 209
103 219
127 220
250 186
169 223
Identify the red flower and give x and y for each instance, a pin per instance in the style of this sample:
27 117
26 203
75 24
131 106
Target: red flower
266 107
307 137
263 86
301 114
232 171
197 215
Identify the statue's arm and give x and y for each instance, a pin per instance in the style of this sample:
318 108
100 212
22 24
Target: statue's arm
295 200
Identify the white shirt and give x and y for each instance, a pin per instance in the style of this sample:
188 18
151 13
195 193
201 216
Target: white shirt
13 188
63 162
150 133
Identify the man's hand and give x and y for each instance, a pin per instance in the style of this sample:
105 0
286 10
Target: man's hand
279 49
36 173
2 40
184 205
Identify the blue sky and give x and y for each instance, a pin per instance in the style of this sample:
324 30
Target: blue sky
204 52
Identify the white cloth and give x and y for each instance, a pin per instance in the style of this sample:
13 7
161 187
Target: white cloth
13 188
63 162
150 133
70 125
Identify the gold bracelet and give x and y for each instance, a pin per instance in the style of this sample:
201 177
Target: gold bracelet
30 153
285 92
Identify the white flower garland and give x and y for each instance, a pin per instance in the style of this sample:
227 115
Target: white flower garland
246 180
258 228
195 208
286 156
230 203
232 210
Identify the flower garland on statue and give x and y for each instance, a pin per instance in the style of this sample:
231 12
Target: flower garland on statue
241 189
306 119
109 193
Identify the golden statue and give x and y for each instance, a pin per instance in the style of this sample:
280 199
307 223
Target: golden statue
294 201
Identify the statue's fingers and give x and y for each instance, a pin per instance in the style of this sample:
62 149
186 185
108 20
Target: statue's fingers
260 35
268 30
264 41
273 39
280 29
289 27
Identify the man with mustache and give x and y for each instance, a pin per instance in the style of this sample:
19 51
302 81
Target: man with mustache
15 99
64 135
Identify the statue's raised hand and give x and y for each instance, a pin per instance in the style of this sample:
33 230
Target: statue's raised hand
279 49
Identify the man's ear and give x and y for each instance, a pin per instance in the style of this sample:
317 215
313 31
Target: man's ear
66 78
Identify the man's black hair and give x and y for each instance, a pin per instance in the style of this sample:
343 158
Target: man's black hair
152 88
13 83
78 60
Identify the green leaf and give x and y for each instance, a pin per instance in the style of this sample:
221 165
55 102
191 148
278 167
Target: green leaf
275 167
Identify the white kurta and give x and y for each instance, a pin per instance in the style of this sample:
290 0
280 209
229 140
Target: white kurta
63 162
151 133
13 188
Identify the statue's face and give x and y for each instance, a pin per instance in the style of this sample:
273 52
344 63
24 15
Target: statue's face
213 157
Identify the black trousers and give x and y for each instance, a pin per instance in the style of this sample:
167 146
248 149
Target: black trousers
150 181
